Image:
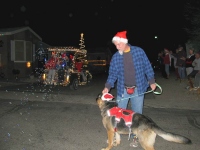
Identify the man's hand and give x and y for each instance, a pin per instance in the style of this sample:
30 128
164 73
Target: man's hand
153 86
105 90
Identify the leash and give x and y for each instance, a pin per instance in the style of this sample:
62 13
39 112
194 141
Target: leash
157 93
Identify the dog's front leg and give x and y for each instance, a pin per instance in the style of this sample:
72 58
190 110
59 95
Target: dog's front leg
110 134
118 138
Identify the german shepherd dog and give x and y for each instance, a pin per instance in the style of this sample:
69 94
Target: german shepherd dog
142 126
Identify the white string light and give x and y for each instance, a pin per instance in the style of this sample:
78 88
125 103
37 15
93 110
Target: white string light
82 46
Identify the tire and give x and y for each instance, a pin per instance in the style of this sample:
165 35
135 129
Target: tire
74 84
89 77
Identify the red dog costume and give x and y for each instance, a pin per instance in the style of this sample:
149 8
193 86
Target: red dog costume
119 113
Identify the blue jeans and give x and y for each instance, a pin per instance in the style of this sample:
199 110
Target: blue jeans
167 69
182 72
137 101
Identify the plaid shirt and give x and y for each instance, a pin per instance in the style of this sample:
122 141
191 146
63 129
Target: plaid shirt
144 73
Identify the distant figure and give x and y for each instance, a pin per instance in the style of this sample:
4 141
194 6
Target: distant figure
167 61
196 64
51 66
161 64
79 65
188 62
181 57
175 65
65 61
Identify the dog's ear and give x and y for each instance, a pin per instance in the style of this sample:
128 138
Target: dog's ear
99 96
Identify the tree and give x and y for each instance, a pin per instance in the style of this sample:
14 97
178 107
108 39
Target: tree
192 25
82 46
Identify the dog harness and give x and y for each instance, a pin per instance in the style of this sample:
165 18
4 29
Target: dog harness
119 113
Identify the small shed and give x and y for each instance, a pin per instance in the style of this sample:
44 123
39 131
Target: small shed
17 51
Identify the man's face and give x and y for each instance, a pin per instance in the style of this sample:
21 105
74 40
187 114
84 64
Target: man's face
191 51
120 46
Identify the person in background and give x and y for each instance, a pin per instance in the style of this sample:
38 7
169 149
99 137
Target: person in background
65 61
167 61
51 66
181 56
60 70
161 64
79 67
58 64
197 81
196 65
175 65
188 62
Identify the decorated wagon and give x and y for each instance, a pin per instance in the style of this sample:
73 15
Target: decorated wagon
73 73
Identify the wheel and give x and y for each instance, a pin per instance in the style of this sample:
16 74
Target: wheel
89 77
74 84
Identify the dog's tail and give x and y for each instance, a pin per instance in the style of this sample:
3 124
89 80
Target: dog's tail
172 137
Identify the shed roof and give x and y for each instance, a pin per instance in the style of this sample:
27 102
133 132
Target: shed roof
11 31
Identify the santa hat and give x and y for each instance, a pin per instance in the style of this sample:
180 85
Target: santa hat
107 97
120 37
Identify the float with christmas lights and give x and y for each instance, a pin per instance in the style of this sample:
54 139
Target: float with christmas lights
74 72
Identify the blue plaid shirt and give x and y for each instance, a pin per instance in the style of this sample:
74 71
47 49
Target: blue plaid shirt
144 74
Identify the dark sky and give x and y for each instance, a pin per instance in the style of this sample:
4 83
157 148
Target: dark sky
60 23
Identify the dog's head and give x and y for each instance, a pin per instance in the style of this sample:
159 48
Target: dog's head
99 100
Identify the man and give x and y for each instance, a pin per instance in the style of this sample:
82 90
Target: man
79 67
188 62
181 57
63 67
51 66
196 70
167 61
133 72
161 64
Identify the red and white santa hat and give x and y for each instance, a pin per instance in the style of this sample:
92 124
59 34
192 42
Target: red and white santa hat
107 97
120 37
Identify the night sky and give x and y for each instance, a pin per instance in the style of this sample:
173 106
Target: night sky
60 23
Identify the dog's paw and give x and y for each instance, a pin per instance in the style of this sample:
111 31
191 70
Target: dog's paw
105 149
114 143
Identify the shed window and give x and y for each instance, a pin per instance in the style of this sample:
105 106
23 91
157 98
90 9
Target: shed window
21 51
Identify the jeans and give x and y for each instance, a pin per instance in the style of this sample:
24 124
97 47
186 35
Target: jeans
167 69
137 101
51 75
182 72
197 80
